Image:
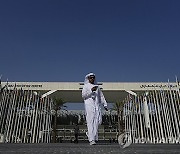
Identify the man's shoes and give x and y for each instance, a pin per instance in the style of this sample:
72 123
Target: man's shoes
92 143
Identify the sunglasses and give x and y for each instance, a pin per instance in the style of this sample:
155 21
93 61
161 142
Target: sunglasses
92 77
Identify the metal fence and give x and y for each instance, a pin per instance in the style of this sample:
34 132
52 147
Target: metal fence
24 116
153 117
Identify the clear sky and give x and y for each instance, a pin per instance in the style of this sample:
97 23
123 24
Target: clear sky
63 40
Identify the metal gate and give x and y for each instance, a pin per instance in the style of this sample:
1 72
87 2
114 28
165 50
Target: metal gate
153 117
25 117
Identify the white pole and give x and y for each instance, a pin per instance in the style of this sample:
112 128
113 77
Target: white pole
159 117
164 117
171 116
14 124
4 103
176 111
19 108
151 118
25 118
35 119
10 114
40 120
174 116
137 121
146 112
157 122
21 115
140 118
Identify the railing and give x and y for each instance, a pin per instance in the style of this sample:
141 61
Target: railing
24 116
105 133
153 117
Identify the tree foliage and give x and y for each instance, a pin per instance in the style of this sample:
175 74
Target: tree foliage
118 106
58 104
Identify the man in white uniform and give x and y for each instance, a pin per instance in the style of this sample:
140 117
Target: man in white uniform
93 98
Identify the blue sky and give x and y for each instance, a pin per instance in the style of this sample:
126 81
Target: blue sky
63 40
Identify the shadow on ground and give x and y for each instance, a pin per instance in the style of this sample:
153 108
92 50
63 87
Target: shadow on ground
85 148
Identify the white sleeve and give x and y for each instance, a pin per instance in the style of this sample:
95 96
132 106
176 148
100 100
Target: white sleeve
103 100
86 93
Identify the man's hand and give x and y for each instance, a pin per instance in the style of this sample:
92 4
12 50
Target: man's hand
94 88
105 107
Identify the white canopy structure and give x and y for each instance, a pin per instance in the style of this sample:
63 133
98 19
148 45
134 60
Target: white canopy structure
71 91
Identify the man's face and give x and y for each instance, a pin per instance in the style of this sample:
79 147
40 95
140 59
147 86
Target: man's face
91 79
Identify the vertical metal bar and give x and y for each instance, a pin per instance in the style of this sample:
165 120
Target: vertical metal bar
133 121
129 117
170 131
21 115
13 124
140 119
157 123
19 108
25 118
45 120
41 119
174 116
151 119
149 129
146 117
14 120
159 118
164 117
5 97
6 117
34 124
137 121
171 117
38 139
175 99
125 115
47 128
10 114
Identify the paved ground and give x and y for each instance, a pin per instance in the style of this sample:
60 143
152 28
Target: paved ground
85 148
